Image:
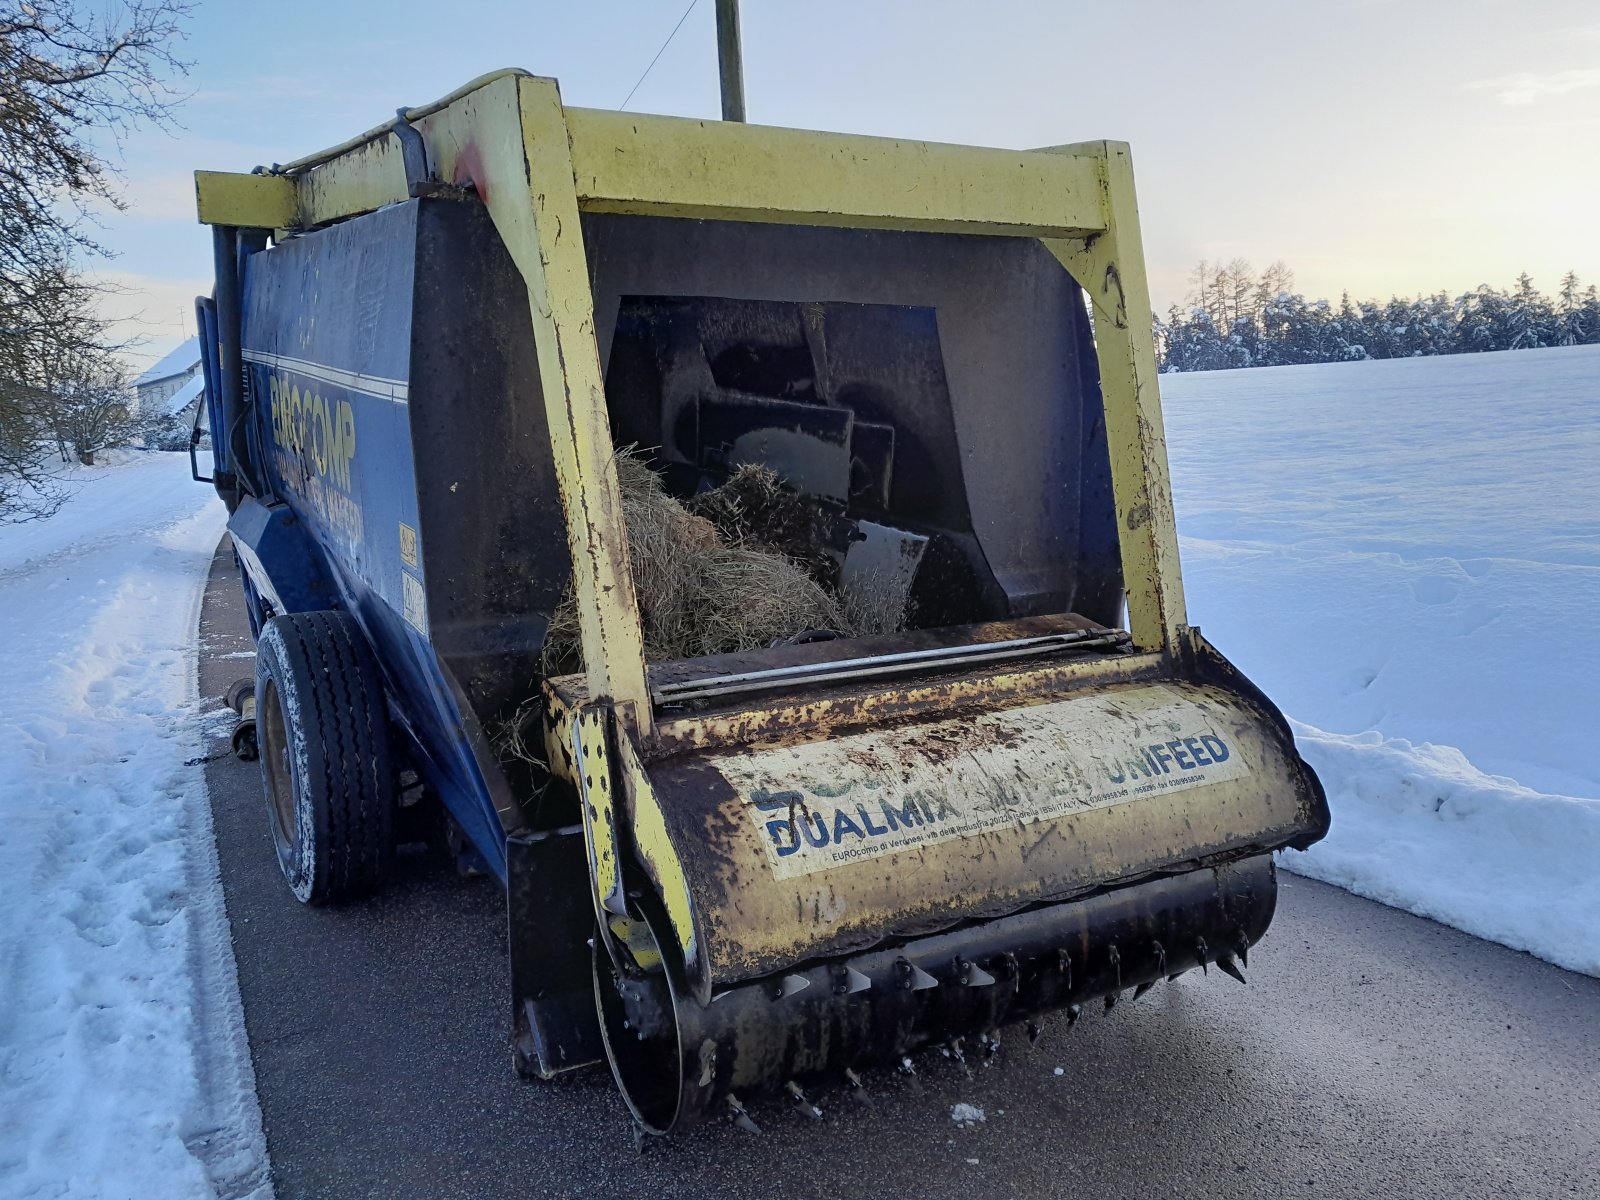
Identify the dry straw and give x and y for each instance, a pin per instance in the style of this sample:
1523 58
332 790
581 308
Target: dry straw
704 587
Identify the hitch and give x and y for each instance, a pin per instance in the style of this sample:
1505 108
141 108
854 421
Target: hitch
241 697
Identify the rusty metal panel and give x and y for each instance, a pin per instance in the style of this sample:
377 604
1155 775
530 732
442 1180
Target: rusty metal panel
825 846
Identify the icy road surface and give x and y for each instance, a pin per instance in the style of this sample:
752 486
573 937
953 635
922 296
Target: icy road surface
1405 556
123 1067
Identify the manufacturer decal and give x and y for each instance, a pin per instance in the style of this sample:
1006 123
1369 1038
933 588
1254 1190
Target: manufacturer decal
830 803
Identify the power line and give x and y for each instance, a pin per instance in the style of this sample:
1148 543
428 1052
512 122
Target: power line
663 49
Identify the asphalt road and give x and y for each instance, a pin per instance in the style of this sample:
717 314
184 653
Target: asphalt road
1374 1054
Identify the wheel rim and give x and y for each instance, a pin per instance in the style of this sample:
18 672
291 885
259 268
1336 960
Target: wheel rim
279 775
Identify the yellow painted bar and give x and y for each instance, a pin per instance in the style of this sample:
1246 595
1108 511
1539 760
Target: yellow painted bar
1110 266
671 166
508 140
247 201
359 181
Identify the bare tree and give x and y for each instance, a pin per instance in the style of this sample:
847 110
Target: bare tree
93 408
40 343
75 76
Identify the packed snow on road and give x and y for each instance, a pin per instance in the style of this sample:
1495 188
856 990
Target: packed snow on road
1405 555
123 1066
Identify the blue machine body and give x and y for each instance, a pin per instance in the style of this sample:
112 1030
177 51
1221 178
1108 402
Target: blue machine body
398 480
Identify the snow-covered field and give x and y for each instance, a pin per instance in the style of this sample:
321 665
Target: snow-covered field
123 1066
1405 555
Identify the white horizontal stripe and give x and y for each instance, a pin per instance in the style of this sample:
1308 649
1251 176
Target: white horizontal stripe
370 385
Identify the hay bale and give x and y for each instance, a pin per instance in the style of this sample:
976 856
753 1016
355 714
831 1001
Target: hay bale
747 599
699 595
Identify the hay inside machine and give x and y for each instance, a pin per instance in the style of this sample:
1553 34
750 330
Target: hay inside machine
967 794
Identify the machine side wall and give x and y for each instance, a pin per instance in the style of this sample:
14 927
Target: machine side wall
327 341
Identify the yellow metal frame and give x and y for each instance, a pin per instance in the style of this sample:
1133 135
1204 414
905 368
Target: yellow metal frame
537 165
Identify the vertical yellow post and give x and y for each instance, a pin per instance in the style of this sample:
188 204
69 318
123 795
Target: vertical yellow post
1110 266
509 140
574 393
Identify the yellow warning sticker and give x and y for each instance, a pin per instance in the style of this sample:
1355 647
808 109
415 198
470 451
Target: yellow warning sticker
408 545
414 605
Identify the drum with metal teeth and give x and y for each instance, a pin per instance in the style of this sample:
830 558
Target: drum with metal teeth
679 1061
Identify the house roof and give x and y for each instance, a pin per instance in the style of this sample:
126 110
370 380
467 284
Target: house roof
175 362
184 396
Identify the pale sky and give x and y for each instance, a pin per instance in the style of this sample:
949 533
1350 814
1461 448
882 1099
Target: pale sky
1379 146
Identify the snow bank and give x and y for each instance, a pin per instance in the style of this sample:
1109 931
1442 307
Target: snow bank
123 1065
1421 828
1409 551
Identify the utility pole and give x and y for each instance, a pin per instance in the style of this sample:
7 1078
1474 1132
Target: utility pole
730 59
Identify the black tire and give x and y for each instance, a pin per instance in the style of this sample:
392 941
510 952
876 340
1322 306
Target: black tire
325 766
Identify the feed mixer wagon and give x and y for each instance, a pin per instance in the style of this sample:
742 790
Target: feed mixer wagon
754 549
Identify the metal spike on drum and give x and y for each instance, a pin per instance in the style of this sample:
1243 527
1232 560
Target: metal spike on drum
972 975
800 1101
953 1049
741 1116
913 978
858 1089
847 981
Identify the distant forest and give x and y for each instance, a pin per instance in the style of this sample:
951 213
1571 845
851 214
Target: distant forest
1237 318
